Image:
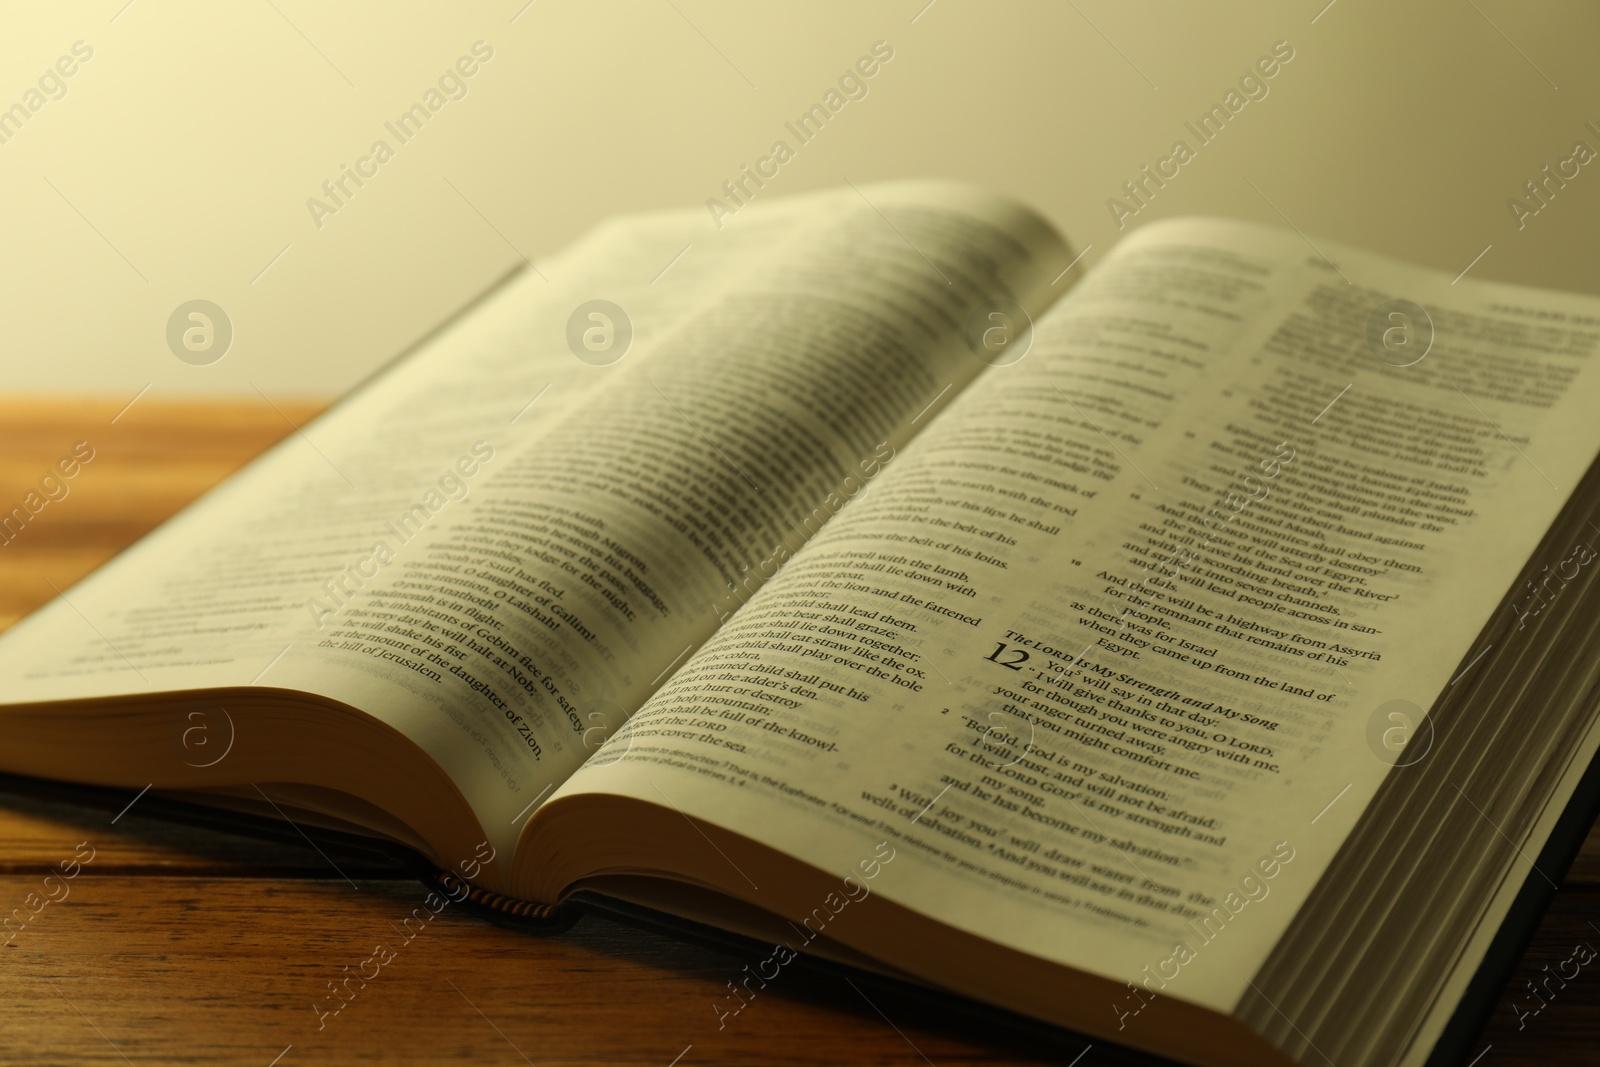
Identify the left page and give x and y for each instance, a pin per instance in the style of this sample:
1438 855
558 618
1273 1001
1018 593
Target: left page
500 548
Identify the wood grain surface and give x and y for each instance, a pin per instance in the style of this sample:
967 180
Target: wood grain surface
183 943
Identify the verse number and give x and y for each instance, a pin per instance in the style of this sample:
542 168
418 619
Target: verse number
1016 657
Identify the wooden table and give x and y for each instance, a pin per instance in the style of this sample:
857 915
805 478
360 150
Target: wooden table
187 944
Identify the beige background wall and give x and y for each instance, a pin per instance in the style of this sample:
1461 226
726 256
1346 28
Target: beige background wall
179 161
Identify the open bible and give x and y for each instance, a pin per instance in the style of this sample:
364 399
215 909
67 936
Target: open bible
1194 650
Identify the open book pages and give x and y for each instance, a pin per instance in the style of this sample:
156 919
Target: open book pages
891 589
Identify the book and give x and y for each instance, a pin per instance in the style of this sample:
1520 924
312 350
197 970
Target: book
1189 651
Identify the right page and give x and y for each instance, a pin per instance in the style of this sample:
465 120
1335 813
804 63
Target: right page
1113 654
